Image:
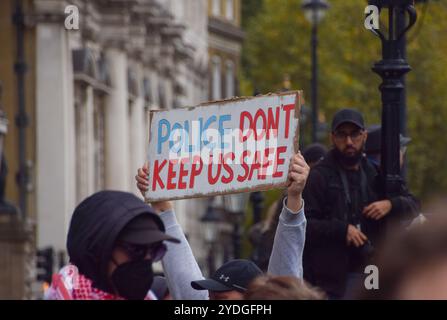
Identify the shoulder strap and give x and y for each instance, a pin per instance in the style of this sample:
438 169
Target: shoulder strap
345 183
363 185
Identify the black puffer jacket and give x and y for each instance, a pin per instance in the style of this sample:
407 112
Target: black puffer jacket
95 225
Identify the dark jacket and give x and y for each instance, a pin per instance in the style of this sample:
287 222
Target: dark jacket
94 227
262 238
327 257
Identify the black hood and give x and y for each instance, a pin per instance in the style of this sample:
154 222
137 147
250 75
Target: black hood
94 227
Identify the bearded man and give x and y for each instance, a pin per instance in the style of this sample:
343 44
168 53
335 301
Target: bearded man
346 210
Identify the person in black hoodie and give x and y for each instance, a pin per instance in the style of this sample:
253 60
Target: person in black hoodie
346 210
113 239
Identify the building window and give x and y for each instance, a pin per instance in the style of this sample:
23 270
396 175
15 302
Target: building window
229 10
216 8
90 140
229 85
216 79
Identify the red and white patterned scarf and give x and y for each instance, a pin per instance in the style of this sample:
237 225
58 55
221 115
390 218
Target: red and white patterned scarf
69 284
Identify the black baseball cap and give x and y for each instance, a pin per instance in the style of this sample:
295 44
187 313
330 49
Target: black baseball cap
146 228
233 275
374 140
347 116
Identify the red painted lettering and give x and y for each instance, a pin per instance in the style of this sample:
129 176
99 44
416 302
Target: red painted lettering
195 170
245 114
259 114
156 175
182 173
228 168
287 108
256 165
272 122
171 174
212 180
244 165
276 173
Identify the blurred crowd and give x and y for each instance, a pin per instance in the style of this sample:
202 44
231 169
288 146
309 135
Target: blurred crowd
333 234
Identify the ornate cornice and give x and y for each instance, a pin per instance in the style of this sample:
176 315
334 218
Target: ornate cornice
145 29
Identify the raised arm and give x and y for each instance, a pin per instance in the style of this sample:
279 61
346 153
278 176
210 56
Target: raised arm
179 265
287 253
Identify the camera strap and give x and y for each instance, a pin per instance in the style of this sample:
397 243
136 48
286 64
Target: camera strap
346 191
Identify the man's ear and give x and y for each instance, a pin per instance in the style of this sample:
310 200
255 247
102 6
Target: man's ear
332 138
366 136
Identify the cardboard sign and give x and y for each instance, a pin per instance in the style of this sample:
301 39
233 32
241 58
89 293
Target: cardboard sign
230 146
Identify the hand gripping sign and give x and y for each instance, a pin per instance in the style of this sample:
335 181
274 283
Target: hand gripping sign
222 147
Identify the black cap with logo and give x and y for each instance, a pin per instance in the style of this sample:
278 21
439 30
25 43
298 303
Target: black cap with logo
233 275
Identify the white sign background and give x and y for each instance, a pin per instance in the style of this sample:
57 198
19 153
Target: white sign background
289 106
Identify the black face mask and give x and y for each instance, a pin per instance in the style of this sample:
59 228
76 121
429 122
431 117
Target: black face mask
348 161
133 279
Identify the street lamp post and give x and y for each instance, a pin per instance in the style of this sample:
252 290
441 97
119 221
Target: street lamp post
210 220
16 235
235 205
257 198
22 119
5 206
391 69
314 11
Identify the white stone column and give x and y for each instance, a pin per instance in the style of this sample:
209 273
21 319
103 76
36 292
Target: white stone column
55 170
137 137
85 148
117 128
154 78
90 132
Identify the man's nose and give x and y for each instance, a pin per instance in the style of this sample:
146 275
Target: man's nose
349 140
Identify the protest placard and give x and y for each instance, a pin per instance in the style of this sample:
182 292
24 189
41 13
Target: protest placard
222 147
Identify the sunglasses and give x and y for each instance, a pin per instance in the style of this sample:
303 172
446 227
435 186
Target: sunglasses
154 251
341 135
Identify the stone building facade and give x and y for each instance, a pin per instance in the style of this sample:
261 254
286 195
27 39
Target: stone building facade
85 94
